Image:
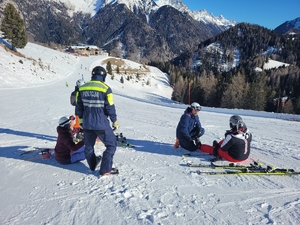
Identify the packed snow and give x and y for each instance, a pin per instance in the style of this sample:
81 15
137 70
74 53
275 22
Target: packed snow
154 185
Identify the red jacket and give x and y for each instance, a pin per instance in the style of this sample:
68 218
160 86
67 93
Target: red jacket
65 144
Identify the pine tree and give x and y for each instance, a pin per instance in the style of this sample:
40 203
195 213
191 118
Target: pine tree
108 68
256 96
13 27
178 90
235 93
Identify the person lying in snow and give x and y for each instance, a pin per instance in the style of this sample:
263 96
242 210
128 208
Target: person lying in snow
236 145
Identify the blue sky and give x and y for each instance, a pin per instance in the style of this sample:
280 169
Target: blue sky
266 13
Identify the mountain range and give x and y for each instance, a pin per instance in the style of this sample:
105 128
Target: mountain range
139 30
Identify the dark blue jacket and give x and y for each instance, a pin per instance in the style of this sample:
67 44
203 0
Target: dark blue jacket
187 123
95 104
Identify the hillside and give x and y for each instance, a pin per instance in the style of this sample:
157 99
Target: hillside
229 62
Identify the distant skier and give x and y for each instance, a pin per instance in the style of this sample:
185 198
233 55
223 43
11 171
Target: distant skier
236 145
189 129
67 85
66 151
94 105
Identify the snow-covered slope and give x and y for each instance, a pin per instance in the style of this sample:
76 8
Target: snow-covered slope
154 185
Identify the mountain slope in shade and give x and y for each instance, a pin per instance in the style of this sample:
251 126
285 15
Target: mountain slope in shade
289 27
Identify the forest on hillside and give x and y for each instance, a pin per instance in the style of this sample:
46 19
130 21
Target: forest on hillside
246 85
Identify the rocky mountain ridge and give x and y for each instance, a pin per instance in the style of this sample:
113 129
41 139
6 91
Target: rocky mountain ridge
141 31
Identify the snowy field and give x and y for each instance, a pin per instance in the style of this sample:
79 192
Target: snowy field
154 185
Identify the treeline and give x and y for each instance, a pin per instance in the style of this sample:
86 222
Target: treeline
210 76
244 88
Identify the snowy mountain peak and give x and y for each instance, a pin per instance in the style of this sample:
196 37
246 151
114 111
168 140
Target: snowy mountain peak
206 17
199 15
177 4
92 6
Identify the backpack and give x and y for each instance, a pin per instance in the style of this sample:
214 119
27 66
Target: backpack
73 98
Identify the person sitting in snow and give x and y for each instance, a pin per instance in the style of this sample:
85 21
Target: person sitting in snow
189 129
66 151
236 145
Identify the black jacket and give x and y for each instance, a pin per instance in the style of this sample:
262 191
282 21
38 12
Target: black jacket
237 143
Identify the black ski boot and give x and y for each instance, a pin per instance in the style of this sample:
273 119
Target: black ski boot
215 152
93 161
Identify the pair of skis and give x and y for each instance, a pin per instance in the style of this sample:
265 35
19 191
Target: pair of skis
255 168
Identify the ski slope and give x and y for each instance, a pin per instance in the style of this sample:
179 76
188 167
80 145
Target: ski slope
154 185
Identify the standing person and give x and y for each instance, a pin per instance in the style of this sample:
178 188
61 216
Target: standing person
94 105
66 151
73 99
236 145
75 92
189 129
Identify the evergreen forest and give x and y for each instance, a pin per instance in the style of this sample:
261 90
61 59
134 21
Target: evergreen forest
228 71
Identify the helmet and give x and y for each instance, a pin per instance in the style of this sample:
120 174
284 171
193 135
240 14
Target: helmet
99 70
65 121
80 83
237 122
196 106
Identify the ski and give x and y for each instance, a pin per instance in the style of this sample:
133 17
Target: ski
255 165
122 141
42 151
191 155
281 172
125 144
254 168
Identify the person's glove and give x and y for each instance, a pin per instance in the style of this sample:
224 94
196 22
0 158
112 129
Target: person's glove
115 125
76 130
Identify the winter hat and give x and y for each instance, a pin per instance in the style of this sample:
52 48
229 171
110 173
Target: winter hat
65 121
